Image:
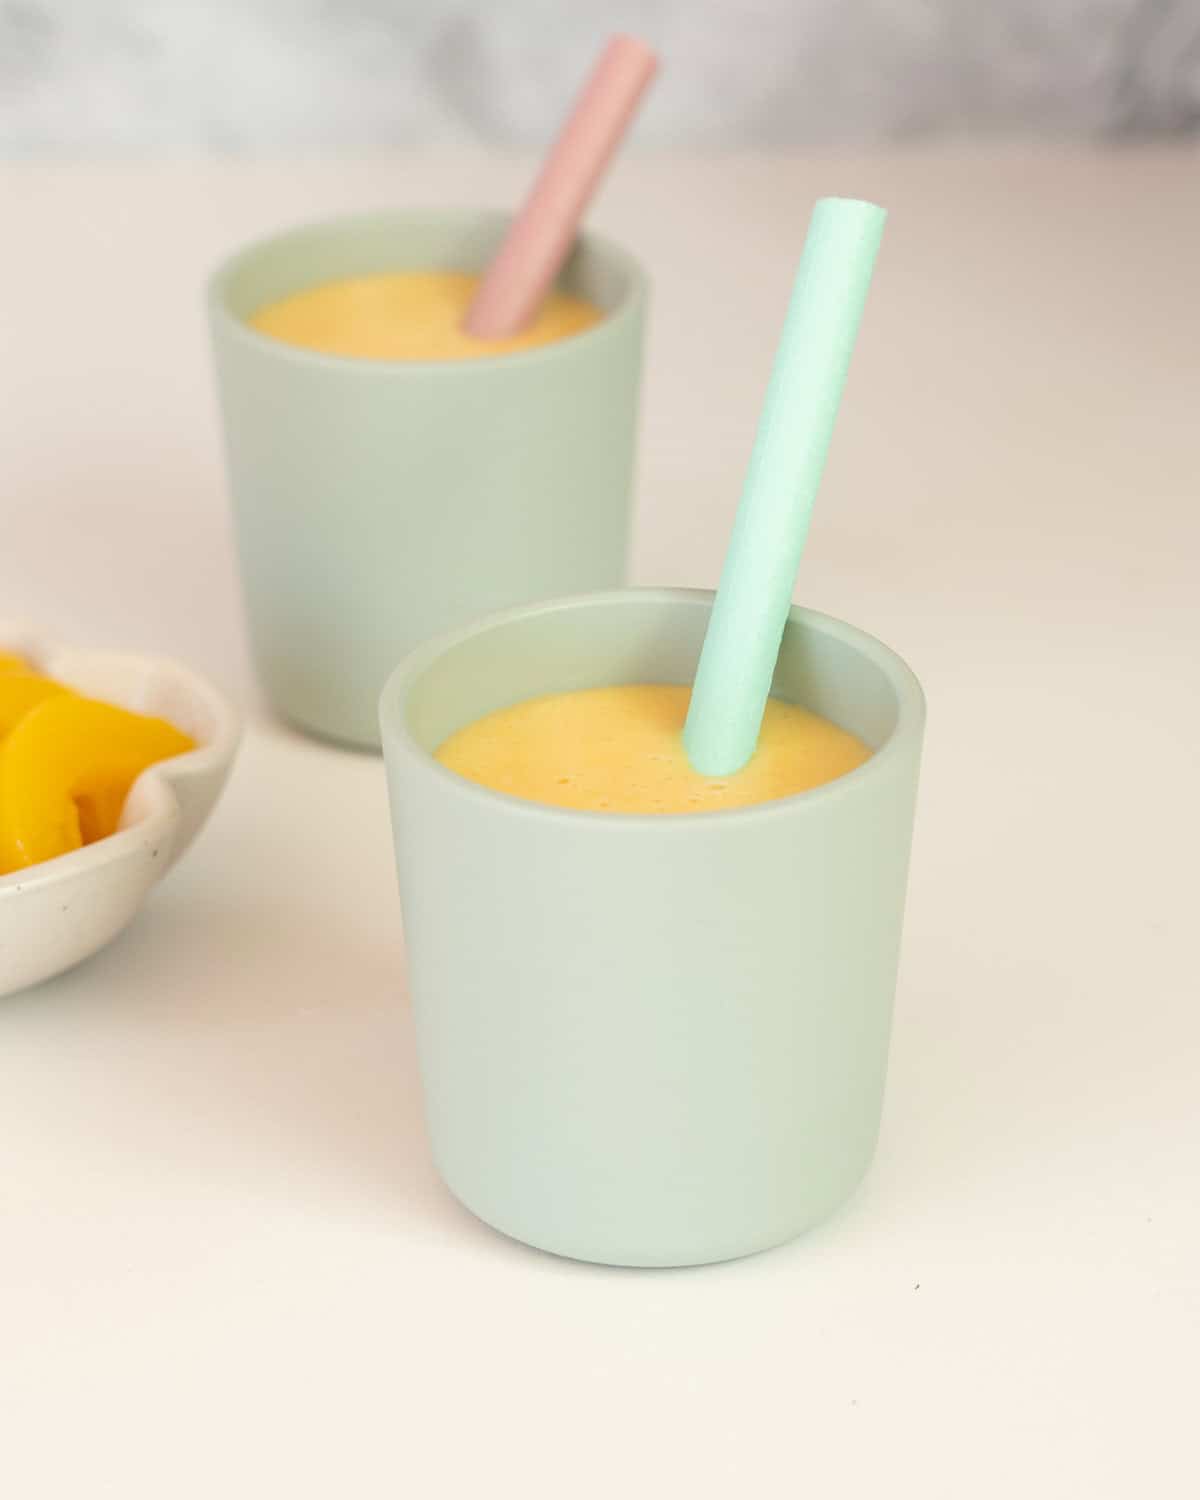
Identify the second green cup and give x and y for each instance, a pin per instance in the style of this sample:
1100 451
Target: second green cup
381 502
650 1040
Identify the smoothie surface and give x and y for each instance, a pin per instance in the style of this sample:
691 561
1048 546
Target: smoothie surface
413 315
620 749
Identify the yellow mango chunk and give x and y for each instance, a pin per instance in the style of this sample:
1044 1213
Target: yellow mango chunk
19 692
65 771
11 663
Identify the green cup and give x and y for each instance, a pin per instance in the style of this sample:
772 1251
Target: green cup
650 1041
381 502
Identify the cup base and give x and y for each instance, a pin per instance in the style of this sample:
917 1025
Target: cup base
337 739
664 1258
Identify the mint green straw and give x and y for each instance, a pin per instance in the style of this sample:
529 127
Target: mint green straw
733 679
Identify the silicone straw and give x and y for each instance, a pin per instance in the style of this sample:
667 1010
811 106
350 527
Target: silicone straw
737 661
540 237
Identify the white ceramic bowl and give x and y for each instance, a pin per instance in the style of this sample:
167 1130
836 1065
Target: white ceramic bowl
58 912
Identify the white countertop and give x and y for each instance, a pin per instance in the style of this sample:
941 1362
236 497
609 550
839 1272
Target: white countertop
226 1265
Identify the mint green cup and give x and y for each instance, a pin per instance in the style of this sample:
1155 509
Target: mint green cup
650 1041
381 502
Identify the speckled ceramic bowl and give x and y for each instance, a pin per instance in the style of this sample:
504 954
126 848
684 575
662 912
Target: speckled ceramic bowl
56 913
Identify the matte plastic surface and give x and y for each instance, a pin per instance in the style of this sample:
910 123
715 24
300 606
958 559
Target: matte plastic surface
540 237
769 530
650 1041
378 503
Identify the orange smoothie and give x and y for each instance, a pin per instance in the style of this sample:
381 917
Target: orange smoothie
620 749
408 315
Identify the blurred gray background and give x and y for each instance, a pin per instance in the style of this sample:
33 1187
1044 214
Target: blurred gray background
91 76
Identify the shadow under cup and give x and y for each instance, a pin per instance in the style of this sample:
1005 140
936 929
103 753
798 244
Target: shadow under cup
650 1040
378 503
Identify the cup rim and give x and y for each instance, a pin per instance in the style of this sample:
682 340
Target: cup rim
398 740
219 281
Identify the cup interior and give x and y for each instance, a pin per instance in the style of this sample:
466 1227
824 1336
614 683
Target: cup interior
605 640
365 244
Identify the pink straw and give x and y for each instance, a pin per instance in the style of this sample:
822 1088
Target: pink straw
540 237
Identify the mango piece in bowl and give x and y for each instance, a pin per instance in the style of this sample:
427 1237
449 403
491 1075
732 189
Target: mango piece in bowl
19 692
66 768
